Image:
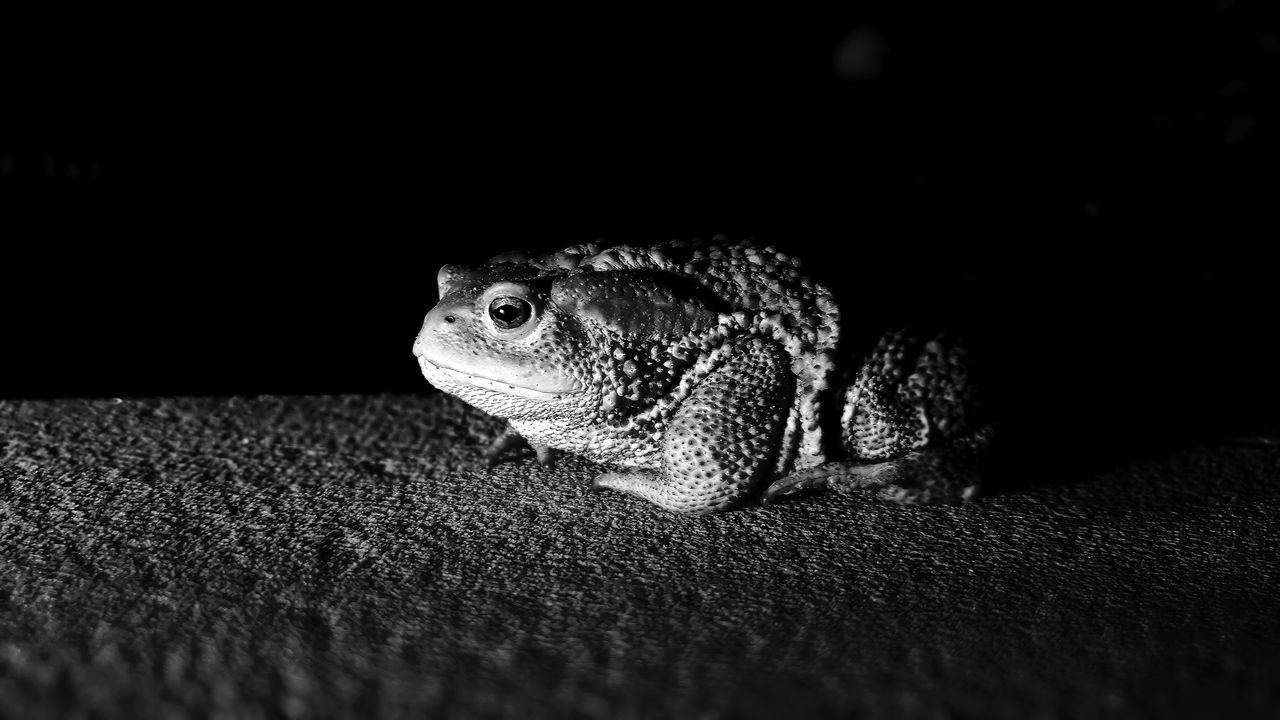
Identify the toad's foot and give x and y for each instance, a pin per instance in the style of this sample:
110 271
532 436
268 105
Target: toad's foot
511 441
695 498
949 473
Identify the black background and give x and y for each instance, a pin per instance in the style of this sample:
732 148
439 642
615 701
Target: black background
258 204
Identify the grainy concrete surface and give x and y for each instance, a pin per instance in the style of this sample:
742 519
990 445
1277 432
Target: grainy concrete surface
344 556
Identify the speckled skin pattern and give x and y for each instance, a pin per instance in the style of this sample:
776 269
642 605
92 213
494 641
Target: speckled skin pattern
710 373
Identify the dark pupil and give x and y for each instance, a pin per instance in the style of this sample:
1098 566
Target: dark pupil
509 313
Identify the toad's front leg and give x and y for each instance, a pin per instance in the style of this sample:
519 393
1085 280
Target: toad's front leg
723 440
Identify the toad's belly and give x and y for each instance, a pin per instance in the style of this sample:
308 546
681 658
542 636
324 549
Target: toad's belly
610 446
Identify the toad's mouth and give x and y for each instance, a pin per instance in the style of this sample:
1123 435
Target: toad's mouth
548 389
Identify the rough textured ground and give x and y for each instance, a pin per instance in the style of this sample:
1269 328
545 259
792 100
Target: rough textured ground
323 556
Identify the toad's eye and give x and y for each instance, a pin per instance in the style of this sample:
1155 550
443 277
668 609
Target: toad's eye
510 312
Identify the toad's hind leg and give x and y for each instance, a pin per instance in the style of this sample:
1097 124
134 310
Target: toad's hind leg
724 439
914 427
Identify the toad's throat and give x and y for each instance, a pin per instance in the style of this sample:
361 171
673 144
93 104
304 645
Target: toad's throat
548 391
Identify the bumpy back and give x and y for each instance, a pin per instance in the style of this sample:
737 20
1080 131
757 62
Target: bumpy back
769 293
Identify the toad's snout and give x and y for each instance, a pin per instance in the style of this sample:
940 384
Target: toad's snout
455 341
443 320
